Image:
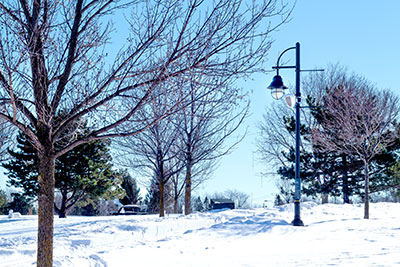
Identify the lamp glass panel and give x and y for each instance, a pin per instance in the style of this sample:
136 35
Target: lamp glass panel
277 93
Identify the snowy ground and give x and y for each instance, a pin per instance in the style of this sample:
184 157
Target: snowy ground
334 235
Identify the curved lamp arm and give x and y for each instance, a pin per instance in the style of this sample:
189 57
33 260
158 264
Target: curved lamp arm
279 58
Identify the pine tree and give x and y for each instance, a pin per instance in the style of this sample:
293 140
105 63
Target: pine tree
85 171
132 192
198 205
385 167
23 167
19 204
322 173
317 170
278 200
3 201
395 186
345 167
152 199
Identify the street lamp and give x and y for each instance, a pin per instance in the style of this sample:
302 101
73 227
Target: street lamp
277 87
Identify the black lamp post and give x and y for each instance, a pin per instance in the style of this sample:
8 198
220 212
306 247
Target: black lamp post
277 87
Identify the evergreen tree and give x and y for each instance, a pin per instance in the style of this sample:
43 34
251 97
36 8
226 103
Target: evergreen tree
3 201
88 209
19 204
132 192
345 167
278 200
385 167
97 206
198 204
317 170
152 199
85 171
395 187
322 173
22 168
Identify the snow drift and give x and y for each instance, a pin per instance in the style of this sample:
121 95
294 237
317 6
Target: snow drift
333 235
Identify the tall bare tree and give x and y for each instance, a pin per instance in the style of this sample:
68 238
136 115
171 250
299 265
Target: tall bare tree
320 169
7 134
154 150
315 85
53 57
205 124
273 135
357 120
241 199
200 174
275 147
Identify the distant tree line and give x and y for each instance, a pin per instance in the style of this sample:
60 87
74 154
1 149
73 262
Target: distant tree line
349 139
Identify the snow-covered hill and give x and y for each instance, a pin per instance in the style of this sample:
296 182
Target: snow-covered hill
334 235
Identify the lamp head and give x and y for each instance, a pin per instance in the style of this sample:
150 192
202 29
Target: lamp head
277 87
290 100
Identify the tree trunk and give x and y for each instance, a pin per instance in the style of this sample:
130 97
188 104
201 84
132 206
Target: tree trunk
162 213
63 209
324 198
346 198
176 205
366 190
46 210
176 196
188 188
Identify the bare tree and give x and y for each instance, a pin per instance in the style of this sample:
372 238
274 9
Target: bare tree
154 150
274 137
178 184
276 142
213 115
200 173
357 120
275 147
286 191
241 199
53 58
7 141
315 85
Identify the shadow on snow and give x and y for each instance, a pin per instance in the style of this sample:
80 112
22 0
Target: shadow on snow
244 225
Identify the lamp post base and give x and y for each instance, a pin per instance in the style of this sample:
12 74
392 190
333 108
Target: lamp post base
297 221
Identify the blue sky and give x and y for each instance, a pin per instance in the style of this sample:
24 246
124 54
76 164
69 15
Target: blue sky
362 35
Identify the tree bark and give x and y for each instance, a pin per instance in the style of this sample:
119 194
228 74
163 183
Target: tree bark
175 205
176 196
46 210
346 198
366 190
188 189
162 212
63 209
